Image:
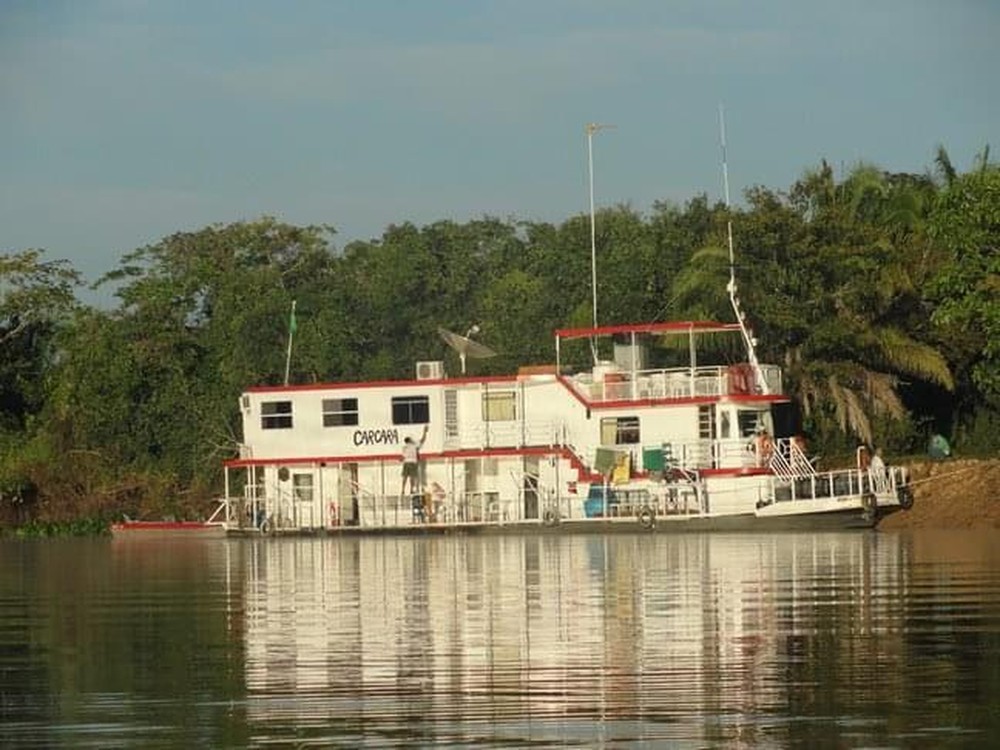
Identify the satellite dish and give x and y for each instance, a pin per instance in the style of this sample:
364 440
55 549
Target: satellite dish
465 346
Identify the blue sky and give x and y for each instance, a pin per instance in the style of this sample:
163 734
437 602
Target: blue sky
124 121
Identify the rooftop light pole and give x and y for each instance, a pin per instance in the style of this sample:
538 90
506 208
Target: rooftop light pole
593 127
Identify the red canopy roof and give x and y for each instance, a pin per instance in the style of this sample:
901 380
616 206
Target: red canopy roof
676 327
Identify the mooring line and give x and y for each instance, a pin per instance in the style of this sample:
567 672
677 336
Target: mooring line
945 475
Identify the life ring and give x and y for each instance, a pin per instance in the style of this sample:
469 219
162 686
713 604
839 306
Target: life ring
905 497
869 506
550 517
646 517
265 526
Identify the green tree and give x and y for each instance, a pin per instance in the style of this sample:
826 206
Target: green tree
36 300
151 389
831 296
36 296
966 223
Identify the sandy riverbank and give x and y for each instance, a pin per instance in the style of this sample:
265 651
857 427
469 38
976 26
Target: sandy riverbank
952 494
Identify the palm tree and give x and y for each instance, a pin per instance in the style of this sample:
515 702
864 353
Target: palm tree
836 305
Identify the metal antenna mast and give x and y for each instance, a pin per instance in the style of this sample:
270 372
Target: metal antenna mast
593 127
725 189
748 339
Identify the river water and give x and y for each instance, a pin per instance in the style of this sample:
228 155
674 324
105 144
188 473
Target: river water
859 639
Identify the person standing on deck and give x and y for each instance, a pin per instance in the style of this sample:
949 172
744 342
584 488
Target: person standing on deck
880 480
763 446
411 463
864 458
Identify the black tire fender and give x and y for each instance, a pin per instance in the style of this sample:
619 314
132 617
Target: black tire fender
647 518
905 496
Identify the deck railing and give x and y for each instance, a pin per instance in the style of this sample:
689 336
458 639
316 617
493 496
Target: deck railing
507 434
838 483
677 382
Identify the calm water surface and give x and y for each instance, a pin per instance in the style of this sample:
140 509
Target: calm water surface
810 640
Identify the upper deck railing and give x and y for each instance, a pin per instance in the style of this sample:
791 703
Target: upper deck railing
675 383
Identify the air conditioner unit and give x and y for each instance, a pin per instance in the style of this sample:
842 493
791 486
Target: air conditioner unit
430 370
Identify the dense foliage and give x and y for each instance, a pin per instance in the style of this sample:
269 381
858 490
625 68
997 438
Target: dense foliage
879 293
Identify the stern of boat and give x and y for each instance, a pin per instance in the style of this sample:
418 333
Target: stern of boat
850 492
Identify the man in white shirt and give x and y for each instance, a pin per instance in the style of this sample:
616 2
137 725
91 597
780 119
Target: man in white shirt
880 481
411 463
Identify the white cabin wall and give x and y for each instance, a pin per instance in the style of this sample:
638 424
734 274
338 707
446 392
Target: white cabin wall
554 414
679 424
374 434
546 412
470 412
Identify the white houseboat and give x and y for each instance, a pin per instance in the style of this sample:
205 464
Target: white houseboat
620 444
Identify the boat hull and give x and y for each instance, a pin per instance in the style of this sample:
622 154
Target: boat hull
841 520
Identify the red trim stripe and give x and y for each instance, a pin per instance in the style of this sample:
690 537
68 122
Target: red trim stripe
484 380
583 474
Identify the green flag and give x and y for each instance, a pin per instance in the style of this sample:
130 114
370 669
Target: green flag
293 324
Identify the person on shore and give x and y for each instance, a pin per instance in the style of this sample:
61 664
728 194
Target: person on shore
938 447
411 463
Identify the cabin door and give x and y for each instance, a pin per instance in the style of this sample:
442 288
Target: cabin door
283 511
347 494
304 495
329 505
530 486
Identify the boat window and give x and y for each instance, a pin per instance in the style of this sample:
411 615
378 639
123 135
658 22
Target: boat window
749 421
339 412
411 410
619 430
499 406
451 414
276 415
302 487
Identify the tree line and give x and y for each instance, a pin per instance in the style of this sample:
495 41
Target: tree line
878 292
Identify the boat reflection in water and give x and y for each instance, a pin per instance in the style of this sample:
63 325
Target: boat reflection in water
696 639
